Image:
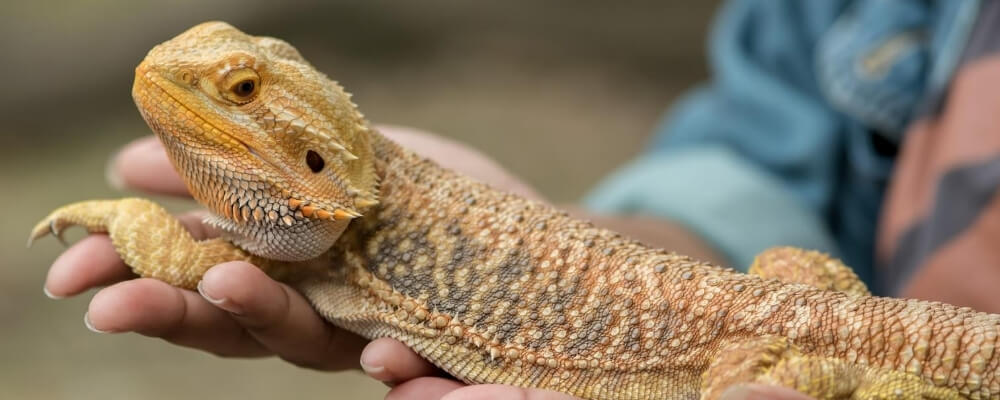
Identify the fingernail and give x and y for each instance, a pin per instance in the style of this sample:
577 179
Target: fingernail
371 369
90 325
50 295
222 303
374 369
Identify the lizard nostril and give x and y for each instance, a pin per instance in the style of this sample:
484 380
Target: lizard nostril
315 161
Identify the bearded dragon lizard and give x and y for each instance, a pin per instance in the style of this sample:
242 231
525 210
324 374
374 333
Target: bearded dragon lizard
490 287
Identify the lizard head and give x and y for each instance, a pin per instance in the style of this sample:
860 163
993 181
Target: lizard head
275 149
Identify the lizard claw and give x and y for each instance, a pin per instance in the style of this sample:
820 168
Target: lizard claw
53 225
39 231
57 233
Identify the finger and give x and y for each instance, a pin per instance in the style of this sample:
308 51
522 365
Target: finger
486 392
193 222
279 317
755 391
390 361
143 165
153 308
423 388
91 262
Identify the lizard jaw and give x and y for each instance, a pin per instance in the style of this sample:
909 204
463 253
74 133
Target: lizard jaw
303 240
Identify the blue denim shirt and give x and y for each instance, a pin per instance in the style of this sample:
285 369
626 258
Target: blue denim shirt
792 141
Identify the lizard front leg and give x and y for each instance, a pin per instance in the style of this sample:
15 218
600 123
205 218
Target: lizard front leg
813 268
150 240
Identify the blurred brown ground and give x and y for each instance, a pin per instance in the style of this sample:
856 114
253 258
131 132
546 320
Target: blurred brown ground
560 92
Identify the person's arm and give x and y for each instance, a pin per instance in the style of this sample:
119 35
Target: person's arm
653 231
749 160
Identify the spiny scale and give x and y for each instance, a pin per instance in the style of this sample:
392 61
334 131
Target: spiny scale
313 212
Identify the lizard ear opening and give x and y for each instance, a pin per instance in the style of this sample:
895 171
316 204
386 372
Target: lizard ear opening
315 161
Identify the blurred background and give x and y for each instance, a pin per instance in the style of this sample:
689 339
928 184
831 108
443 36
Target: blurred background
559 92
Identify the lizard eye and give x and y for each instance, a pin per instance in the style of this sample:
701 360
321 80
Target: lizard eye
241 86
315 161
245 88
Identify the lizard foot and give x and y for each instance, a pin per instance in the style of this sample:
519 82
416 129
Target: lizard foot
148 239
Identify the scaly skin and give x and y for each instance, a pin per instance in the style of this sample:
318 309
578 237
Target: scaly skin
488 286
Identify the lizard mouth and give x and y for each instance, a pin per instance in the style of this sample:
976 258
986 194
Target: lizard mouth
152 80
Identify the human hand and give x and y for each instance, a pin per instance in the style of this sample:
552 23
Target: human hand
413 378
757 391
433 388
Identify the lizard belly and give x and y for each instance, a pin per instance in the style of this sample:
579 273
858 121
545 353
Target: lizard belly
465 354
